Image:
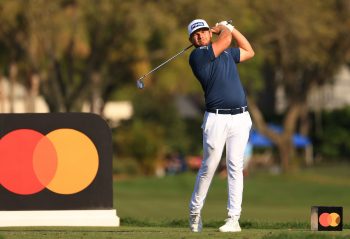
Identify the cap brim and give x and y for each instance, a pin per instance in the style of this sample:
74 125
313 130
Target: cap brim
199 29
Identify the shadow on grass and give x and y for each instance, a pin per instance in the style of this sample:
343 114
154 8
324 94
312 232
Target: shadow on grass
128 221
214 224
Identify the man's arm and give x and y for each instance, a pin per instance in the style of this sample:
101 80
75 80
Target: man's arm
246 50
223 41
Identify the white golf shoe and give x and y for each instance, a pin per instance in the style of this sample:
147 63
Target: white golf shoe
196 223
231 225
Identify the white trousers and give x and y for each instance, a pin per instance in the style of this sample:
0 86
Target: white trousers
218 130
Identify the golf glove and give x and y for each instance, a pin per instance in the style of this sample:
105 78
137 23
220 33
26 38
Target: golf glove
226 24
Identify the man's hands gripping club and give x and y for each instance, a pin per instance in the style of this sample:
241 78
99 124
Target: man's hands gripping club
226 24
224 31
246 50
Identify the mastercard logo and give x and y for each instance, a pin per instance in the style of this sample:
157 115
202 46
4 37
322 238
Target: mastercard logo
329 219
64 161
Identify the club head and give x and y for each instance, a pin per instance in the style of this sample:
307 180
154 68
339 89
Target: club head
140 84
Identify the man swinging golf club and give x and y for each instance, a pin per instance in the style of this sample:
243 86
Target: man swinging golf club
226 120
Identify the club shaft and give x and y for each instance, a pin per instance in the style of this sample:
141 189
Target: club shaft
171 58
165 62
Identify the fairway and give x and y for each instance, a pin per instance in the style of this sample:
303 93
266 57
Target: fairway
126 232
267 198
274 207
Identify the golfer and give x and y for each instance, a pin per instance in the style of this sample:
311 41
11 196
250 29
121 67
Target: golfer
226 120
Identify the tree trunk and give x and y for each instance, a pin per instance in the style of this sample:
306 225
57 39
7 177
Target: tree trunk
96 104
33 92
304 121
2 95
283 140
286 146
12 83
260 123
285 150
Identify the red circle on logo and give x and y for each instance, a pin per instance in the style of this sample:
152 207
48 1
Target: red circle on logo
28 161
325 219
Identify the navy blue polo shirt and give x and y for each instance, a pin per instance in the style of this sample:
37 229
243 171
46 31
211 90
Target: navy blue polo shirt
218 77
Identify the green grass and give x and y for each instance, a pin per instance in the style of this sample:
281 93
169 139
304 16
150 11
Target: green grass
267 198
132 232
274 207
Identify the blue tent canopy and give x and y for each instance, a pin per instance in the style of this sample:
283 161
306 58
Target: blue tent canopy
259 140
301 141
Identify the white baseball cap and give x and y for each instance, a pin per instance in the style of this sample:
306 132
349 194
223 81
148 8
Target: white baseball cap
197 24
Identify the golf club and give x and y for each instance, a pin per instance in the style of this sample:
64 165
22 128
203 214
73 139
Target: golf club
140 84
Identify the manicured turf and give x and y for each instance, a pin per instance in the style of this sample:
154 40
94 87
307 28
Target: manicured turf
275 207
267 198
128 232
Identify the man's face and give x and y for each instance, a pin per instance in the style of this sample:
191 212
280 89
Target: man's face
201 37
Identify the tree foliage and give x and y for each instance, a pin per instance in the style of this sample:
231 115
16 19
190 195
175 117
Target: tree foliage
333 136
303 49
93 51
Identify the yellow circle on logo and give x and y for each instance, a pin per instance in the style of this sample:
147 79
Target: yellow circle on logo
335 219
77 161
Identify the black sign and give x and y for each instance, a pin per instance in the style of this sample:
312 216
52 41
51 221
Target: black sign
328 218
55 161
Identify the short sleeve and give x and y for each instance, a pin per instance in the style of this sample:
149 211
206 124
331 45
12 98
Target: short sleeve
236 54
